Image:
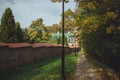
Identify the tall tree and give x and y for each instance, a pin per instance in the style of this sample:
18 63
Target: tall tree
8 27
55 28
0 28
19 33
69 21
99 23
35 30
26 37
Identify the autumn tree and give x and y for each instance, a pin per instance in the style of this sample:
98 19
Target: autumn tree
69 20
8 28
99 21
35 30
54 28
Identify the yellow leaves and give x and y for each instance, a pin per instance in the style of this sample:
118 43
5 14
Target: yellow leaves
106 1
110 15
91 23
110 29
75 22
32 33
118 28
91 6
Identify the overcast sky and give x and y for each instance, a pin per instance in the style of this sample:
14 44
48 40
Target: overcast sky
25 11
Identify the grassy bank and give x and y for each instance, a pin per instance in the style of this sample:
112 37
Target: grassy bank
43 70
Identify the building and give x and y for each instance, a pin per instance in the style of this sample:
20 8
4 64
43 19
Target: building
71 40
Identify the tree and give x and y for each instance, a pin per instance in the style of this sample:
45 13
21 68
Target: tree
35 30
69 21
100 34
45 36
19 33
8 27
26 37
53 29
0 28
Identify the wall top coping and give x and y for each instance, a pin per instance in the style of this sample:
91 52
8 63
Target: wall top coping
19 45
45 45
3 44
35 45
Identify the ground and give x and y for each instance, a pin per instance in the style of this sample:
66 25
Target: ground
87 71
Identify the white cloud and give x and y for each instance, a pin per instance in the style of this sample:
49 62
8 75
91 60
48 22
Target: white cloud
25 11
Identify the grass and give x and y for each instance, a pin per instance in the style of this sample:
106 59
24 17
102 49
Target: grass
43 70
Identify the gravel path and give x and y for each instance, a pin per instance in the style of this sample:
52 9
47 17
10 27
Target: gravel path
84 70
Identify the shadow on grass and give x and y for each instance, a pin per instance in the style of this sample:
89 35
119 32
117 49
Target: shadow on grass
104 71
42 70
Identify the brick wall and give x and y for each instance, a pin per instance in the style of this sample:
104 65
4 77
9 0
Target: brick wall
12 55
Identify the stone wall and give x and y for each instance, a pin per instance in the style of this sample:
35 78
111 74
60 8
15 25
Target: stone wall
12 55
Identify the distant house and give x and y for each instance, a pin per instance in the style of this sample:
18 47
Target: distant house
70 38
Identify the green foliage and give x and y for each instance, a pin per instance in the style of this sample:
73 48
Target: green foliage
68 20
26 37
19 33
99 21
59 40
35 30
46 36
0 28
54 28
8 29
44 70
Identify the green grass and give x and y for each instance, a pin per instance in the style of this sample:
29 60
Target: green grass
43 70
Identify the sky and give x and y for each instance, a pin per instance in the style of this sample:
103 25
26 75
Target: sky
25 11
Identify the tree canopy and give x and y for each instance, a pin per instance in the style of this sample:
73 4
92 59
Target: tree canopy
37 32
8 27
69 20
99 21
19 32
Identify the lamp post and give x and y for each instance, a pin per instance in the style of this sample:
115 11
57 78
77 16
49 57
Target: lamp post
63 49
75 31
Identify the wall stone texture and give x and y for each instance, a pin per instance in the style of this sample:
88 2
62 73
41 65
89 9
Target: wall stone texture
12 55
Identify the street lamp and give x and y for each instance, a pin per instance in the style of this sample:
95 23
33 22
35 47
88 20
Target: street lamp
63 49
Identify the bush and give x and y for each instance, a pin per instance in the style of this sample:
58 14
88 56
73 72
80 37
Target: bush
103 47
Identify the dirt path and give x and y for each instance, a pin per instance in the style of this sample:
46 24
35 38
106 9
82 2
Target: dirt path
85 71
